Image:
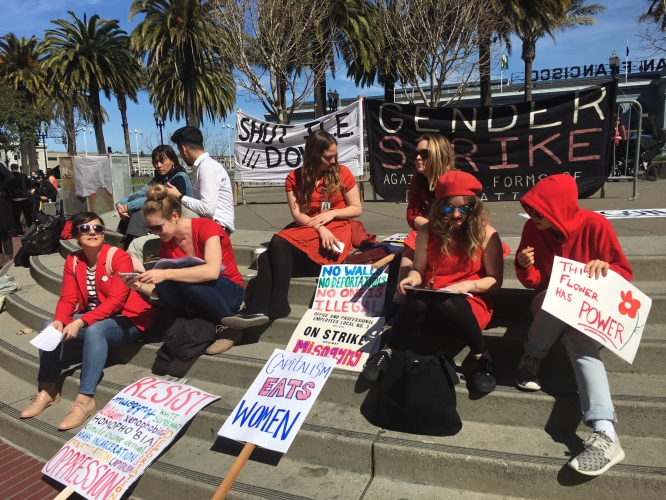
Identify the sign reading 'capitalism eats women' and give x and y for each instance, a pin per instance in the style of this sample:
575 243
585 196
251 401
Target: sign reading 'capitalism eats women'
508 148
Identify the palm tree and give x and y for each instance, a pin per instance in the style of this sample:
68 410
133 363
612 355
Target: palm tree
20 67
90 56
182 33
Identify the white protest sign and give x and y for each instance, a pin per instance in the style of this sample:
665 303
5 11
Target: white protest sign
610 310
103 460
349 339
635 213
276 404
267 152
351 289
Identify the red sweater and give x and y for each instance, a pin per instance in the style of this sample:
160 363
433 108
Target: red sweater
420 199
587 235
114 297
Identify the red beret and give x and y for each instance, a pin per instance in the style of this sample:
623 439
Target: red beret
457 183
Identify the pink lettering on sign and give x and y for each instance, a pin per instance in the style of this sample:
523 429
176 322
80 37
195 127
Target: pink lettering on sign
603 326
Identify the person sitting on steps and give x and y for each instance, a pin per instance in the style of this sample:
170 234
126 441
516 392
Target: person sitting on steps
213 290
322 197
456 249
94 308
433 157
558 226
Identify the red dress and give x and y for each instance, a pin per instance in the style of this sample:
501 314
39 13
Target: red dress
306 238
456 268
419 202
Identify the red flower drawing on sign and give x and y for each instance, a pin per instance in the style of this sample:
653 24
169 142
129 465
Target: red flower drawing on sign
629 306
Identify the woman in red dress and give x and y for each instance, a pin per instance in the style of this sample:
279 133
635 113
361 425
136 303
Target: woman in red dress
322 197
458 250
433 157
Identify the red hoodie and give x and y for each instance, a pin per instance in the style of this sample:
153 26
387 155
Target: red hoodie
587 235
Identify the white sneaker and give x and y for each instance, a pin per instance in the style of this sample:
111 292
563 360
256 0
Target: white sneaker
599 455
527 377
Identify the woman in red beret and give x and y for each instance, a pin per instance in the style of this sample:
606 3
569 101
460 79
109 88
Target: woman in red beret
457 250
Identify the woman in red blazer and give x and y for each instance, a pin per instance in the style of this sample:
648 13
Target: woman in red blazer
94 308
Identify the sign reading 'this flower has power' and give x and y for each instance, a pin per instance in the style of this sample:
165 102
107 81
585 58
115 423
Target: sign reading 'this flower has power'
610 310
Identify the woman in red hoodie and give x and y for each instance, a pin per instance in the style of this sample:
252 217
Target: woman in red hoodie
95 308
559 227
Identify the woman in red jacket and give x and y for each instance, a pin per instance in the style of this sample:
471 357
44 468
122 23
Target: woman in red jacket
94 308
433 157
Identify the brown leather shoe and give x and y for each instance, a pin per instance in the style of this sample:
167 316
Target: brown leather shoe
82 408
226 339
48 396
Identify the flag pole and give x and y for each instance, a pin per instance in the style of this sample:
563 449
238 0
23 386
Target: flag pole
626 62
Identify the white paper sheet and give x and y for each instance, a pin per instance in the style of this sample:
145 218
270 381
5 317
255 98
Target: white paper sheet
48 339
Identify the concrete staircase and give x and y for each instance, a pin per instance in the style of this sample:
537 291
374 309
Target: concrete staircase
512 444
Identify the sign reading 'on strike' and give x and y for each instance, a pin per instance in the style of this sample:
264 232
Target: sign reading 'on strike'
103 460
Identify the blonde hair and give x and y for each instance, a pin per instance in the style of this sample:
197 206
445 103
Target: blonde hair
161 202
440 158
472 233
317 143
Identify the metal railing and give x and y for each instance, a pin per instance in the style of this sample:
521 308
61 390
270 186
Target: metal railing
621 169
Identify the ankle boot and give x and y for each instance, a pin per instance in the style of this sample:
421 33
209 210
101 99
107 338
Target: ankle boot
82 408
48 396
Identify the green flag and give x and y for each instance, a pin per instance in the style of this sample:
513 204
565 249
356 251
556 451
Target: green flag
505 63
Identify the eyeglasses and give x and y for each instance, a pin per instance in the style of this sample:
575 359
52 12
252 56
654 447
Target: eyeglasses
423 153
533 213
450 209
86 228
155 229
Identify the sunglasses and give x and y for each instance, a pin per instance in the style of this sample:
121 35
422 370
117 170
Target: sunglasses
86 228
533 213
450 209
154 229
423 153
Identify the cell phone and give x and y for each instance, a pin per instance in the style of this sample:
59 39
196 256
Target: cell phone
339 247
128 275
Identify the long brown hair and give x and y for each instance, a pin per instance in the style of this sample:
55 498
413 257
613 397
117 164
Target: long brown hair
315 147
161 202
472 233
440 159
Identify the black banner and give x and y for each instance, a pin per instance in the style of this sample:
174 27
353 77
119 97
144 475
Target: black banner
508 148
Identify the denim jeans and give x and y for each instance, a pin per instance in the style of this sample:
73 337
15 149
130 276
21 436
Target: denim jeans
593 388
96 339
209 300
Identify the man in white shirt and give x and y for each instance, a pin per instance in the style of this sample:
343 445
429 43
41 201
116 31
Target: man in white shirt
212 194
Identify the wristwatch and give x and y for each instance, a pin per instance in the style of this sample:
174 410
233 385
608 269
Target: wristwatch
180 198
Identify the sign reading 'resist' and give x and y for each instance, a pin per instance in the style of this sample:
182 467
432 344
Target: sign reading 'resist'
267 152
610 310
276 404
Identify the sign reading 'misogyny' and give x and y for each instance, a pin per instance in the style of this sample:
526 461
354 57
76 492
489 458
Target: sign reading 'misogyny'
592 70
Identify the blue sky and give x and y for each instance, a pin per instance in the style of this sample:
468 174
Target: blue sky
585 45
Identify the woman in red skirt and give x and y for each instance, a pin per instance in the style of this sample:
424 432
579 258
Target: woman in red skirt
460 251
322 197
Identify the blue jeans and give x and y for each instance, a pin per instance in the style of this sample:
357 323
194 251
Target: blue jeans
210 300
593 388
96 339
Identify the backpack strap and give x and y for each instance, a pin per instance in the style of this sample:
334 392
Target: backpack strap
75 261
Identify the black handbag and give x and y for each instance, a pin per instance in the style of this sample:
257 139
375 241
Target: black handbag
416 395
186 339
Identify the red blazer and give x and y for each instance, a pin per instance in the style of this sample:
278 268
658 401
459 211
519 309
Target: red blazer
114 297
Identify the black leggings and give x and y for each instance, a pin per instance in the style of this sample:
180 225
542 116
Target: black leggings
281 262
445 311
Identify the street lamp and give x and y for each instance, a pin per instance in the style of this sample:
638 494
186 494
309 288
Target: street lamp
138 161
229 129
333 100
42 136
85 142
614 61
160 125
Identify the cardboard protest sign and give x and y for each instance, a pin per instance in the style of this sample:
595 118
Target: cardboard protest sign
106 456
276 404
348 339
610 310
351 289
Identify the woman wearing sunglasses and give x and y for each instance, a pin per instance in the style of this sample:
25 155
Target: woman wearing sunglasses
460 251
95 308
167 170
433 157
212 290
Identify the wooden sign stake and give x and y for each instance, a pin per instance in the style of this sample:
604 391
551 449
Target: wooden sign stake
233 473
64 494
383 261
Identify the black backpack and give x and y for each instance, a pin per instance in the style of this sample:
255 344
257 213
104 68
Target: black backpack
186 339
416 395
43 236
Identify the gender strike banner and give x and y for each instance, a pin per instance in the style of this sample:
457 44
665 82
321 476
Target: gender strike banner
276 404
351 289
267 152
125 437
347 338
508 148
610 310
